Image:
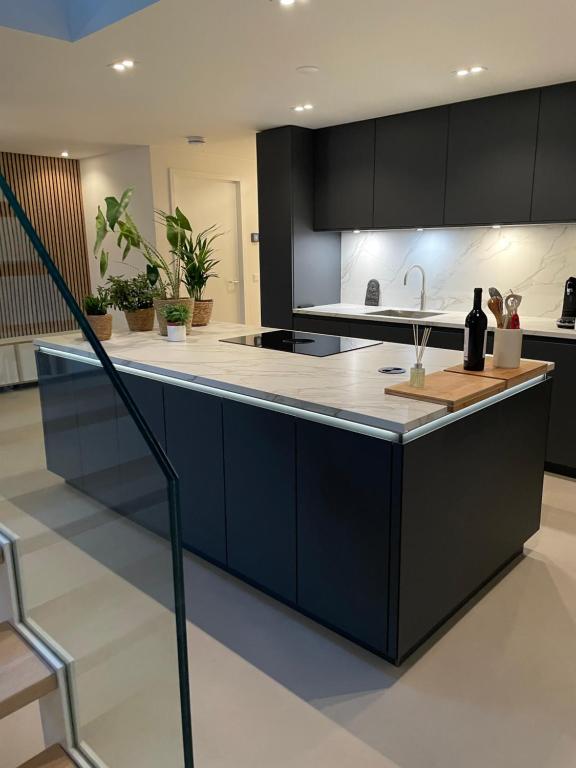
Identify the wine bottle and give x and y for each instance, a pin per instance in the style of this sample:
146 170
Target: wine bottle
475 335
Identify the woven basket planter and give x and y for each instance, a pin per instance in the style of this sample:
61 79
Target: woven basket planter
101 325
160 303
202 311
141 320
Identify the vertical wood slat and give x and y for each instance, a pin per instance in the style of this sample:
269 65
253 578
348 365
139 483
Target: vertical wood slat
49 190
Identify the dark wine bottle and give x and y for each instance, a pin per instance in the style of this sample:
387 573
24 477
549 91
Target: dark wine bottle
475 335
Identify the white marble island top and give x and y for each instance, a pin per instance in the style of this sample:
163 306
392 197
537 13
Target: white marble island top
346 386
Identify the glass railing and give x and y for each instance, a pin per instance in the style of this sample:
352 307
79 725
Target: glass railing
89 499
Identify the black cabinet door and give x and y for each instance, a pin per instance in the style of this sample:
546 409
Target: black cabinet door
344 485
143 488
344 176
194 445
410 169
555 174
56 381
259 448
331 326
561 443
491 150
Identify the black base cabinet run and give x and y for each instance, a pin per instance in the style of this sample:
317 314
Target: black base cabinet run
379 541
259 447
195 448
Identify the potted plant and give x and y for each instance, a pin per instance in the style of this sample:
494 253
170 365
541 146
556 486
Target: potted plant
96 310
195 255
198 268
164 273
176 315
134 297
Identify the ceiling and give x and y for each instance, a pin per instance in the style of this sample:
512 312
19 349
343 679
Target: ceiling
227 68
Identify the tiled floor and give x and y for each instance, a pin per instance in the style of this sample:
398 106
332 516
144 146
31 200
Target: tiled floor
272 690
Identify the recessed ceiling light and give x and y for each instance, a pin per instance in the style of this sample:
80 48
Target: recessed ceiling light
122 66
299 108
119 67
64 154
356 231
308 69
496 226
308 106
128 63
287 2
462 72
476 70
420 229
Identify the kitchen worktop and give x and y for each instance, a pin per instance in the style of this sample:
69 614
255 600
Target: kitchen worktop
347 386
533 326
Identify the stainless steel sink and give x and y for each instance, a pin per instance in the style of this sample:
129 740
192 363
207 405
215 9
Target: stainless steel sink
411 314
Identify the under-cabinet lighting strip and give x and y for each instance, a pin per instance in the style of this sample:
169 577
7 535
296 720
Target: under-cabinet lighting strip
270 405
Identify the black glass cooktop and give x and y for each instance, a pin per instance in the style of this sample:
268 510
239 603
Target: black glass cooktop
300 343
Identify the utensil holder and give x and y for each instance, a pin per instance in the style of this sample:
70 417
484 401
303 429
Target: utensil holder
507 347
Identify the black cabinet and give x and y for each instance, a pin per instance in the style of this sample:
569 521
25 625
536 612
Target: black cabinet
491 149
561 454
555 174
344 176
57 379
344 484
410 169
260 456
194 446
142 489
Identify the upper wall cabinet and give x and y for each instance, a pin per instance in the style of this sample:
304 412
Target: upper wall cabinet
344 176
491 151
555 174
410 177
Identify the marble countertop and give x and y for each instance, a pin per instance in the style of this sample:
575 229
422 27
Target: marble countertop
347 386
533 326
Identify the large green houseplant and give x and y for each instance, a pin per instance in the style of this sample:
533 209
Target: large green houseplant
195 255
164 273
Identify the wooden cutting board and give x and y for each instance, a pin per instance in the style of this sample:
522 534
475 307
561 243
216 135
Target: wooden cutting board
528 369
450 389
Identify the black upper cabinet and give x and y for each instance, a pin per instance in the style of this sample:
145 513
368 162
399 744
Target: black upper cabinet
491 149
410 176
344 176
555 174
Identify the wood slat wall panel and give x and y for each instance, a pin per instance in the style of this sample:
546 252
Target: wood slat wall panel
50 193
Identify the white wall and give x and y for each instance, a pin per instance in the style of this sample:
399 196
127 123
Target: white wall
226 159
111 174
534 261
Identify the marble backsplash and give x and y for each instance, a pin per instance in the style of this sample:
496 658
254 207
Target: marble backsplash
534 261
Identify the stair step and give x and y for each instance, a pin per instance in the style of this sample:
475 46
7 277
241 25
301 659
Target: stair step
24 677
54 757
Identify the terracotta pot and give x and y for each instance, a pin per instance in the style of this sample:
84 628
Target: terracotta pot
202 311
176 333
101 325
140 320
160 303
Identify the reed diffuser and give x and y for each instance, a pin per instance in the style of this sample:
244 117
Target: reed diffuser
418 372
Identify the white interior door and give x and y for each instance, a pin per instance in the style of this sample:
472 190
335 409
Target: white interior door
207 201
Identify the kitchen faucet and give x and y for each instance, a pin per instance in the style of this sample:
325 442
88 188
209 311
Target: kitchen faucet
423 291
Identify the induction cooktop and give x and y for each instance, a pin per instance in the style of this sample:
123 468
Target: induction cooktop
301 343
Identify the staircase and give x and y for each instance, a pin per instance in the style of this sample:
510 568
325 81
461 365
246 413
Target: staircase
25 678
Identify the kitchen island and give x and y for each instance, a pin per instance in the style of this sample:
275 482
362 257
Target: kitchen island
375 515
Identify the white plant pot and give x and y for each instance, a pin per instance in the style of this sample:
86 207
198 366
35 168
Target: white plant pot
176 332
507 347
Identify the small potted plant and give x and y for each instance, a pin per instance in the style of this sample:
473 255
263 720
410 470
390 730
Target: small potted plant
134 297
96 310
177 316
